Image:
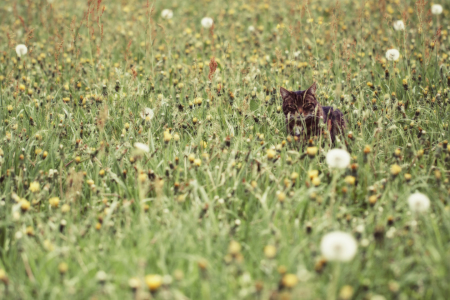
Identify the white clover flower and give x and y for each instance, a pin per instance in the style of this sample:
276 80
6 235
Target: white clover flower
297 53
377 297
360 228
101 276
142 148
392 54
52 172
251 28
167 279
436 9
167 14
365 243
207 22
391 233
147 114
399 25
418 202
18 235
21 49
338 246
338 159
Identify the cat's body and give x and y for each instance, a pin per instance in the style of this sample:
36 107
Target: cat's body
304 115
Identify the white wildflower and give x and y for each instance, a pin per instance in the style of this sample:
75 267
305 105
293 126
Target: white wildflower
142 148
338 158
207 22
392 54
418 202
251 28
399 25
365 243
436 9
147 114
338 246
21 49
167 14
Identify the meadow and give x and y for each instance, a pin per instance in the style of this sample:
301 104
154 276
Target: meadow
144 152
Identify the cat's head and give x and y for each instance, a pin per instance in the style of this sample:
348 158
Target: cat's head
301 108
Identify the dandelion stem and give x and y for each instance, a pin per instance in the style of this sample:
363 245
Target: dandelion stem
333 287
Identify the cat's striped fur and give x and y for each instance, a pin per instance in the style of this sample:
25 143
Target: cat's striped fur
306 118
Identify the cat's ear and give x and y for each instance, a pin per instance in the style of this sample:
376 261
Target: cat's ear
312 89
285 94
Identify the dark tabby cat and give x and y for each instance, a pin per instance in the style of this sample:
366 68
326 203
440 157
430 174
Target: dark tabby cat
304 114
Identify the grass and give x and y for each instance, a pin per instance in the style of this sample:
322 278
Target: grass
85 215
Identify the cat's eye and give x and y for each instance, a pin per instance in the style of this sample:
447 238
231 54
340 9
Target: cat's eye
308 106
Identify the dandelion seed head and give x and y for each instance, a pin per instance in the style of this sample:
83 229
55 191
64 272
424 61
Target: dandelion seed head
338 246
338 159
436 9
141 148
392 55
399 25
167 14
207 22
418 202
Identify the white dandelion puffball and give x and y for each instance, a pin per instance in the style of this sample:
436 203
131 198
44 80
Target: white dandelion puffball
21 49
436 9
147 114
167 14
338 159
338 246
143 148
251 28
207 22
418 202
392 54
399 25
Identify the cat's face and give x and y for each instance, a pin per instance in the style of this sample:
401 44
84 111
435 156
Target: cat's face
302 110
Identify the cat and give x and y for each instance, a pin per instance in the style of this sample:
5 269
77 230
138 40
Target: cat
304 115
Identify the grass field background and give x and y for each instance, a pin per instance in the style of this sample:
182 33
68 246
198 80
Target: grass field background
223 204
